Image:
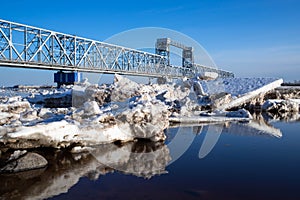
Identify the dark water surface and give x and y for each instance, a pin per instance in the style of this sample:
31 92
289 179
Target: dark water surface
237 161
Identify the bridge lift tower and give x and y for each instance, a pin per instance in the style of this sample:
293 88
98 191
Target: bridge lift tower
162 47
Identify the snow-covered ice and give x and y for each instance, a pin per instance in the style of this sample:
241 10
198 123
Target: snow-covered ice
87 114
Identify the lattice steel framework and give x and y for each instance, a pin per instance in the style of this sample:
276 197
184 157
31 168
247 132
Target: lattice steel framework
30 47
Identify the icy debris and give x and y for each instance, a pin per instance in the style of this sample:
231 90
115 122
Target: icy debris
239 116
45 113
124 89
261 88
8 118
224 94
28 116
54 99
238 86
63 134
82 93
220 99
12 110
188 107
122 111
281 106
79 149
241 113
284 92
199 89
91 108
145 121
14 105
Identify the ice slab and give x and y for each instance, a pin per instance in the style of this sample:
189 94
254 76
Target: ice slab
243 89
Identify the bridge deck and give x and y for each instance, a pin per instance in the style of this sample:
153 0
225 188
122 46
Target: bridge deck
30 47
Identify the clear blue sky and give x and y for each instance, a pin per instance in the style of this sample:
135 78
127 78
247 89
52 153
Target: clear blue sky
250 38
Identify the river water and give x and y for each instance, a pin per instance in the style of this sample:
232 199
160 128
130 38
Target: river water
227 161
239 166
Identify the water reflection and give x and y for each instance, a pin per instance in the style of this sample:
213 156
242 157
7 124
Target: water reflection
285 116
259 126
143 159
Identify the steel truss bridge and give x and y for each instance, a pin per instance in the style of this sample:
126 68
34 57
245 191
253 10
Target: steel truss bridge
30 47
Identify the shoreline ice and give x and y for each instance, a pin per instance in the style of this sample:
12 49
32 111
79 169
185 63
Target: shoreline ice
87 115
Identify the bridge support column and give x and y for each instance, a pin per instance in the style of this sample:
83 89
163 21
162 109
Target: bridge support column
66 78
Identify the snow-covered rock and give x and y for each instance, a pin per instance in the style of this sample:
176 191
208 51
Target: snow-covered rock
27 161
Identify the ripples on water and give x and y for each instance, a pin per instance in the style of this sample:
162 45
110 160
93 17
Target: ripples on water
221 161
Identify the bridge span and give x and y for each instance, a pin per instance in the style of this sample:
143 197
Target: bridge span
31 47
